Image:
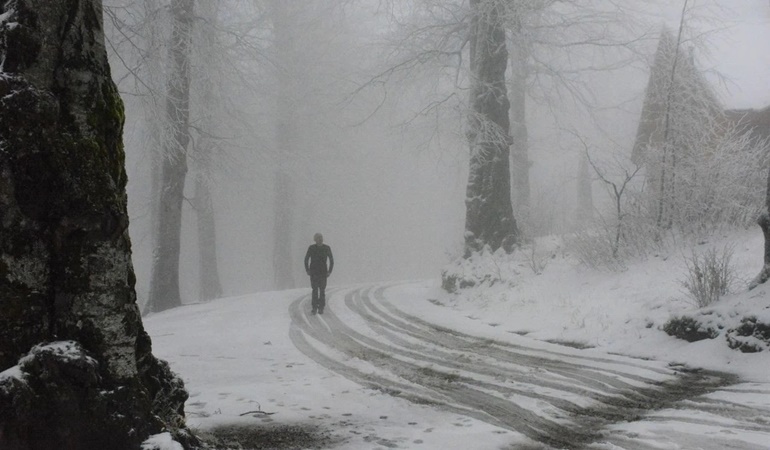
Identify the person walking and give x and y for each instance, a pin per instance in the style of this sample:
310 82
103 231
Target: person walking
315 266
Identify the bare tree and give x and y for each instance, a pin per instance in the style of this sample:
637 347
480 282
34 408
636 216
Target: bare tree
164 286
489 221
554 46
680 118
435 38
618 188
136 38
557 48
224 49
207 112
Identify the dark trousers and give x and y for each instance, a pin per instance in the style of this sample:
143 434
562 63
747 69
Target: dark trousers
318 284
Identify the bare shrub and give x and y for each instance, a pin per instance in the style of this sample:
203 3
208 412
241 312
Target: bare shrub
715 191
610 245
719 188
594 248
536 261
709 276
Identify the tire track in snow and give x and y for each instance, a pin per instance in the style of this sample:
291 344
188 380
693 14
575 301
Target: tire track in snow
564 399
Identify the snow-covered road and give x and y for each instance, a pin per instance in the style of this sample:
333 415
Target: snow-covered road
388 366
556 396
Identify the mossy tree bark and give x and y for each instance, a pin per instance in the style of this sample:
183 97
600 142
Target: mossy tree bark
65 256
489 221
164 285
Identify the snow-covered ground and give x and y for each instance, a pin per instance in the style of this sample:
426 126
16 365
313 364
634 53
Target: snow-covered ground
240 359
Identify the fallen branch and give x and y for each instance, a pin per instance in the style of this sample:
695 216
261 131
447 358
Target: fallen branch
258 411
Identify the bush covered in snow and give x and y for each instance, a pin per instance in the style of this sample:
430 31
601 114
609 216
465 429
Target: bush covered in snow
481 269
486 269
748 333
751 336
689 329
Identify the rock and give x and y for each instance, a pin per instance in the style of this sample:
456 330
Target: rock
55 398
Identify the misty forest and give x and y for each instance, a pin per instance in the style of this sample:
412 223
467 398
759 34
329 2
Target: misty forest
156 154
257 124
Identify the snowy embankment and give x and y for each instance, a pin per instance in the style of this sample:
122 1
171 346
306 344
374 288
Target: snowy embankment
624 311
242 368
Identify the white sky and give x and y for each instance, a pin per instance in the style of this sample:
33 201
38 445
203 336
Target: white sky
741 51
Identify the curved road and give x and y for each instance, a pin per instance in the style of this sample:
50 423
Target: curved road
565 399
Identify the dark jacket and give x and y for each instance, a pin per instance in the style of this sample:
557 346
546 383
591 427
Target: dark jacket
315 260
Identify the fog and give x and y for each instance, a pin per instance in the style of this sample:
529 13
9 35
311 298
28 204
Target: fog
380 177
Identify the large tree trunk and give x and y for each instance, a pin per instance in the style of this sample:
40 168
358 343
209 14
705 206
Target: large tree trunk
67 298
164 286
489 221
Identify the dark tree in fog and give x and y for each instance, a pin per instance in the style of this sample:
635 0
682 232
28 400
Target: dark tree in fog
69 321
164 285
489 221
136 40
204 153
551 45
222 59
